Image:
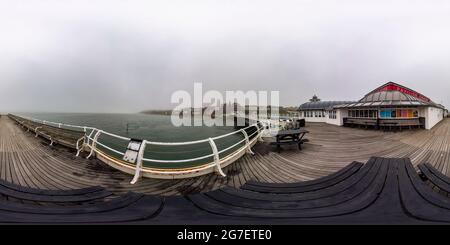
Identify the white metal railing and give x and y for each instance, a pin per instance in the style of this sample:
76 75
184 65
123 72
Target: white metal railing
91 141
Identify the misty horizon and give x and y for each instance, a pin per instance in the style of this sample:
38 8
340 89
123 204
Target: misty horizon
116 57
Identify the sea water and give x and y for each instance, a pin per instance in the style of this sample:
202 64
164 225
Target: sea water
157 128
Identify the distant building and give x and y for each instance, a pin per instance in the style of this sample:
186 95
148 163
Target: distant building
390 105
320 111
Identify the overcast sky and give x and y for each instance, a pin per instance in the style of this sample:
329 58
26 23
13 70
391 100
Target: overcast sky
127 56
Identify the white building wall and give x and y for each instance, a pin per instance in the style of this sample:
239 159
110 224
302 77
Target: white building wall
433 116
339 120
316 119
313 118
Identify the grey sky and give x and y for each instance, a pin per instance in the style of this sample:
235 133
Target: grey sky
127 56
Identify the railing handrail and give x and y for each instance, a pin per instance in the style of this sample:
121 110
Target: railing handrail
91 140
128 139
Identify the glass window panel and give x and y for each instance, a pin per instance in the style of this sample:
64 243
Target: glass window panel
393 114
386 114
404 113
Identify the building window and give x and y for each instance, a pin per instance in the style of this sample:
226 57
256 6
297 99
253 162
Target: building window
393 114
399 113
332 114
385 114
363 113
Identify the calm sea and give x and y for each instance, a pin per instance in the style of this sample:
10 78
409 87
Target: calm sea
152 128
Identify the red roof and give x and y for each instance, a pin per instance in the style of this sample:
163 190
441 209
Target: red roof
391 86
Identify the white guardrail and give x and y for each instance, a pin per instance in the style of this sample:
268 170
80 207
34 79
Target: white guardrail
138 169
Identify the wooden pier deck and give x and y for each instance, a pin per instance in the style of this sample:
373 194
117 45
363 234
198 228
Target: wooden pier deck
31 162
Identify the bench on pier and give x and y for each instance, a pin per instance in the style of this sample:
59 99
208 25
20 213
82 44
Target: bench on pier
66 137
290 137
73 206
433 175
52 196
386 124
382 191
366 122
311 185
401 123
69 138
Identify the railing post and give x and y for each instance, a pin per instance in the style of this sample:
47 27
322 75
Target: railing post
90 135
94 143
139 160
79 149
216 157
247 142
35 130
259 133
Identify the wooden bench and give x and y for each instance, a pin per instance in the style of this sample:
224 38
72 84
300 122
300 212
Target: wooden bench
383 191
137 207
66 137
86 205
435 177
418 199
361 122
311 185
400 123
52 196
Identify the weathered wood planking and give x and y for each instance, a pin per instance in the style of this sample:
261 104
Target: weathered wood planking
29 161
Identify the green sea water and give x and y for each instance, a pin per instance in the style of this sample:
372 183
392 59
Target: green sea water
153 128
